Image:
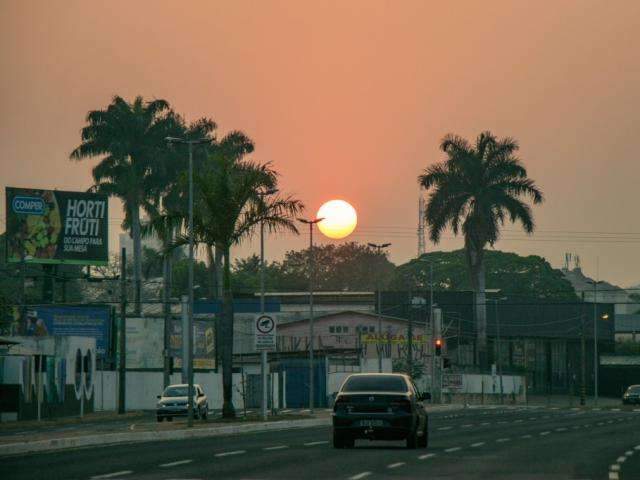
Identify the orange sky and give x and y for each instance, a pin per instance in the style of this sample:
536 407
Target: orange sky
349 100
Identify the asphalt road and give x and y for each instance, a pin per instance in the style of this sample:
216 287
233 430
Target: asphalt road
477 443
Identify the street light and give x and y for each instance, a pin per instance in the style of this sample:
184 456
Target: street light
263 353
311 223
595 337
499 353
189 333
379 248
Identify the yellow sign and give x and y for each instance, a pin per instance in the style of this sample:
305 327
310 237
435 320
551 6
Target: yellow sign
393 339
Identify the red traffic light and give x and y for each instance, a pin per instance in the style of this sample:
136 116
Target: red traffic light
438 346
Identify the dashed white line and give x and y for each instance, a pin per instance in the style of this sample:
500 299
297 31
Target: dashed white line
114 474
486 423
615 467
444 428
228 454
311 444
561 429
426 455
518 421
501 440
613 476
276 447
453 449
545 433
396 465
175 464
477 444
360 475
526 436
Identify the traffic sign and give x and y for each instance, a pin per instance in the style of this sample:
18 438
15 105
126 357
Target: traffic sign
265 332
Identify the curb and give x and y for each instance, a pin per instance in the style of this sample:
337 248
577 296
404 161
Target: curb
135 437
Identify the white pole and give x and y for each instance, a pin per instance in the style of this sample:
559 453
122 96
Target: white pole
263 353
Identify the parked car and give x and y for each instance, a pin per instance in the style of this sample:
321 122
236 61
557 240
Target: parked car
173 402
380 407
632 395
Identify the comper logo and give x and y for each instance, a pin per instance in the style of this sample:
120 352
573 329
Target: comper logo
28 205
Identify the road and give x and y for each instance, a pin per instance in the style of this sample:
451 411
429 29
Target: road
477 443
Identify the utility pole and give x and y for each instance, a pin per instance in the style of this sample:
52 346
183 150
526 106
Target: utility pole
595 338
379 346
410 339
190 144
122 330
263 353
583 359
311 223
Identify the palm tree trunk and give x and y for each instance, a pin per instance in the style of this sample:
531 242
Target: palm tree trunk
166 297
212 271
137 256
228 411
475 260
219 273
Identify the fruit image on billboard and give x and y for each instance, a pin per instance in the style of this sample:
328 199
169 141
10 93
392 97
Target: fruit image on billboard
51 226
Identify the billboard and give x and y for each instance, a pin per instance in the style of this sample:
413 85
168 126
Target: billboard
52 226
204 343
145 342
79 321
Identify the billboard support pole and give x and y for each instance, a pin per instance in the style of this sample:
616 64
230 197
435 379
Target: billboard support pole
122 331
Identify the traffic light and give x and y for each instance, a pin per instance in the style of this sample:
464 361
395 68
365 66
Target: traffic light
438 347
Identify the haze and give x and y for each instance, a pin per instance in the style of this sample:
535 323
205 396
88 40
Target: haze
350 99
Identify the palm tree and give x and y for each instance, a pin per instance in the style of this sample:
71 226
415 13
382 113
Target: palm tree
228 208
129 137
476 189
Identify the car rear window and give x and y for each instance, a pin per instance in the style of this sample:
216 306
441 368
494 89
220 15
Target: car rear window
177 392
369 383
634 389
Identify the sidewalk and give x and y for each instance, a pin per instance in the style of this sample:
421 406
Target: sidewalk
109 428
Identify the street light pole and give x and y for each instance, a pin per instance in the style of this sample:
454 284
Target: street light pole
189 334
379 248
498 347
311 223
263 353
595 338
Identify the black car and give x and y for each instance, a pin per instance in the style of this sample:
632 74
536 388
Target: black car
173 402
632 395
380 407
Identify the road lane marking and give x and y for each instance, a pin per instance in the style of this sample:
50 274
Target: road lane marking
637 447
453 449
526 436
228 454
114 474
486 423
628 453
621 459
444 428
467 425
276 447
545 433
501 440
311 444
615 409
613 476
478 444
175 464
396 465
426 455
615 467
518 421
360 475
561 429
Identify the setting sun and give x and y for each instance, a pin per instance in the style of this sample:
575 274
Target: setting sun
340 219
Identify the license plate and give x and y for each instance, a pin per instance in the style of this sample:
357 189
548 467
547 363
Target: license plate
371 423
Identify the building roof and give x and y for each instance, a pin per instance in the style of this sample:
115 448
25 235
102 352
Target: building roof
373 316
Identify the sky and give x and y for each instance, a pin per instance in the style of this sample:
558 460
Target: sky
350 99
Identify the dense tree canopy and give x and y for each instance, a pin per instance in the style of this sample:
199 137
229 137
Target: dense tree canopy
530 276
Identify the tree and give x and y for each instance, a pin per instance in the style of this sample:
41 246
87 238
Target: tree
129 138
474 191
515 276
228 208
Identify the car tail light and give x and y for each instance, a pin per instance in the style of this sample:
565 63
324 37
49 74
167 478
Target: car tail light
402 405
